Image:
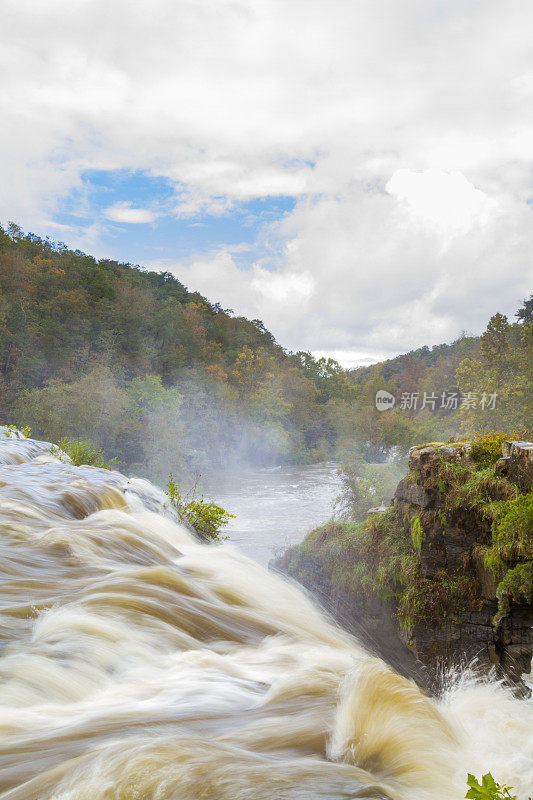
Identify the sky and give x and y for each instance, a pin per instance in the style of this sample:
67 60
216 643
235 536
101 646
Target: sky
358 174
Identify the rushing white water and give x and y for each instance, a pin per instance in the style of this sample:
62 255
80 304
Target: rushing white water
139 664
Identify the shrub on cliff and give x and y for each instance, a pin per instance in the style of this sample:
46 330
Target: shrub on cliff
517 586
486 447
82 452
206 519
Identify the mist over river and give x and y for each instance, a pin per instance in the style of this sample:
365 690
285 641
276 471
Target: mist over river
274 508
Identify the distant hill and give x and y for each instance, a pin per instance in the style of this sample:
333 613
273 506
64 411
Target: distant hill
392 368
133 356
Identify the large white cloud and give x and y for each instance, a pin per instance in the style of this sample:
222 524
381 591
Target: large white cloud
446 201
404 131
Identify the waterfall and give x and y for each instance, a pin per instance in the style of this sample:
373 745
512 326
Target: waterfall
137 663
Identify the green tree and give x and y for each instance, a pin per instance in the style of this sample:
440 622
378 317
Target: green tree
525 313
95 407
495 341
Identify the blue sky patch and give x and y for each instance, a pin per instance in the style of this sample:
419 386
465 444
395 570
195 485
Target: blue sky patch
167 237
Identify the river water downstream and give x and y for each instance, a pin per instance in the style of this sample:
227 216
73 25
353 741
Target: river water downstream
137 663
275 508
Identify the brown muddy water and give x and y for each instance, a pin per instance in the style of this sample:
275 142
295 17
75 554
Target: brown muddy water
137 663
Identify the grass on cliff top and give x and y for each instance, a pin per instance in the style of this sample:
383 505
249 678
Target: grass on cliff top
471 482
461 487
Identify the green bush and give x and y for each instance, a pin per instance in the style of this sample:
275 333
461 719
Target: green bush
11 429
487 448
82 452
206 519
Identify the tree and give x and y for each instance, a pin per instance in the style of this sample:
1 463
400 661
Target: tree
329 377
94 407
525 314
495 341
252 369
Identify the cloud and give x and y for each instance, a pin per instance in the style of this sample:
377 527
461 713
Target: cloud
445 200
403 131
123 212
285 287
359 277
253 292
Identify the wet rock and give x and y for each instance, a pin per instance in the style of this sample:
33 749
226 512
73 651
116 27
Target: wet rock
501 468
434 561
413 493
422 457
519 463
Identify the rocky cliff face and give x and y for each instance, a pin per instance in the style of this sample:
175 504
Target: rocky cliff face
454 539
450 603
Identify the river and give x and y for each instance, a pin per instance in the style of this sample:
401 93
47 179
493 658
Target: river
275 508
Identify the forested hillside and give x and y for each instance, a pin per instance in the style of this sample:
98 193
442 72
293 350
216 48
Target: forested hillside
450 388
155 374
163 379
448 392
440 390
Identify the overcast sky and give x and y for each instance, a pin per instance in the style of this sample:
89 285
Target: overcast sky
356 173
